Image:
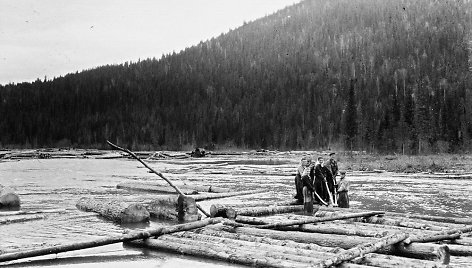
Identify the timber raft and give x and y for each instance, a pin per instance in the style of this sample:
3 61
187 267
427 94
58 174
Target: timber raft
268 236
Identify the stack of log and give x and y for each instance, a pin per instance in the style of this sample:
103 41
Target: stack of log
332 237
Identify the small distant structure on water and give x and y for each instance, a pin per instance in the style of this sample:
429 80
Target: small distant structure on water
198 152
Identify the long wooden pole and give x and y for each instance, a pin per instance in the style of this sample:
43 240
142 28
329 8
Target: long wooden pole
319 219
155 172
362 249
108 240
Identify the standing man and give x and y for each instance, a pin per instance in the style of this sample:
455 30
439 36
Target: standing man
304 162
343 189
332 166
321 193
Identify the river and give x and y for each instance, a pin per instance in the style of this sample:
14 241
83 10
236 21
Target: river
58 184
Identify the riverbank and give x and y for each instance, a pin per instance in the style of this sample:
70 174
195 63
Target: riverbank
351 161
447 163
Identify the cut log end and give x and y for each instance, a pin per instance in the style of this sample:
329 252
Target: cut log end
9 200
134 213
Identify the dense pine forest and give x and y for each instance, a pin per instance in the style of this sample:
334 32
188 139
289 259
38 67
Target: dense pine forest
375 75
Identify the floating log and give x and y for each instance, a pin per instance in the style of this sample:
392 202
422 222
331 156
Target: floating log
16 219
414 250
217 252
364 249
107 240
332 229
320 219
22 212
159 187
262 211
399 222
174 207
155 172
115 210
8 198
234 251
432 238
441 222
146 187
373 259
208 196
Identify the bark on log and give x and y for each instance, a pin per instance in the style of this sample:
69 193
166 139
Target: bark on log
160 187
432 238
8 198
16 219
173 207
108 240
363 249
320 219
414 250
271 251
115 210
218 253
261 211
154 188
372 259
442 222
399 222
208 196
441 219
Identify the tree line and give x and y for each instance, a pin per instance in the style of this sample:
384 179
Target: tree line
374 75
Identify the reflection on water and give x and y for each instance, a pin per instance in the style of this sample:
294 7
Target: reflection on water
59 183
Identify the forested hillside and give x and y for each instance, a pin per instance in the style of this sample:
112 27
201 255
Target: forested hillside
375 75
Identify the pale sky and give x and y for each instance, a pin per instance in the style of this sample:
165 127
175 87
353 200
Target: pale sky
51 38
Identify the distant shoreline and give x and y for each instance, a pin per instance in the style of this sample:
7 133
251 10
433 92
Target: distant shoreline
350 161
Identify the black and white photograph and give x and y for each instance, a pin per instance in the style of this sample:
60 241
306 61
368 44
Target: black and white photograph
236 133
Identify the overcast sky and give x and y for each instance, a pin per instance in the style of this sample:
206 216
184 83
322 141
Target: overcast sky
50 38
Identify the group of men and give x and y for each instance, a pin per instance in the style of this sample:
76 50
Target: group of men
319 181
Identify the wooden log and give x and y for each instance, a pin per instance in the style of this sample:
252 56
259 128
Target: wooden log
218 253
373 259
460 250
115 210
432 238
208 196
154 188
399 222
261 249
250 254
414 250
320 219
261 211
159 187
442 222
173 207
155 172
331 229
107 240
22 212
17 219
363 249
8 198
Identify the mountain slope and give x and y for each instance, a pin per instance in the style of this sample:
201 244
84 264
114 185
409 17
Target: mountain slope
366 74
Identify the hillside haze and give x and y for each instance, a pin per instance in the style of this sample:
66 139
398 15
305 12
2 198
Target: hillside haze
375 75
